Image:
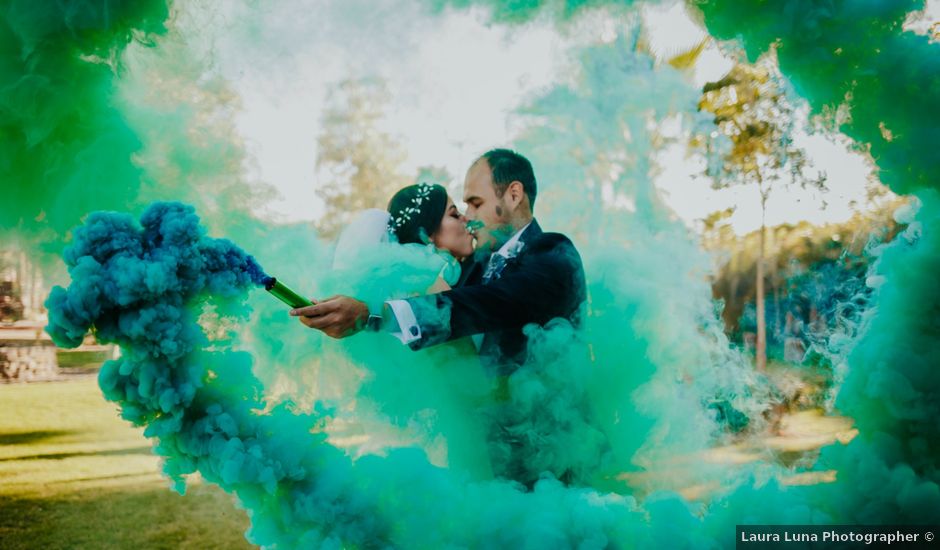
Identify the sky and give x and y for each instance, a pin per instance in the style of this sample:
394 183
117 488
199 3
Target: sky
454 80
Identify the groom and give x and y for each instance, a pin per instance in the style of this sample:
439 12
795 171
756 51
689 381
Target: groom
520 275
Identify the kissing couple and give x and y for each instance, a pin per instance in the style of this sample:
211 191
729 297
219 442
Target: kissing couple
516 275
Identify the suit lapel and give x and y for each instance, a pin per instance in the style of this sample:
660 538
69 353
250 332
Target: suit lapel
471 272
531 233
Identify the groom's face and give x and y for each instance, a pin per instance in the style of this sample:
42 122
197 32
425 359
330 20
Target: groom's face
484 205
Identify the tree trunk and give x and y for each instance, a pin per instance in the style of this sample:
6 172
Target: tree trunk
760 348
734 303
778 331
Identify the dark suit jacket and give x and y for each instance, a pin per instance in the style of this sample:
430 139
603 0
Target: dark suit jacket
544 281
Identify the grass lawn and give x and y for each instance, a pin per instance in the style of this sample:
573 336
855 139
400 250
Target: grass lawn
74 475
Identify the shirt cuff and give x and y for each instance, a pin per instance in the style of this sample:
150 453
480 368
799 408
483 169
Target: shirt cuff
407 329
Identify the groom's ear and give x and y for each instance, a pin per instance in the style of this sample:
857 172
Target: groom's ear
515 192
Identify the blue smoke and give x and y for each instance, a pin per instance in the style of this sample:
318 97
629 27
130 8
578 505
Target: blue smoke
143 287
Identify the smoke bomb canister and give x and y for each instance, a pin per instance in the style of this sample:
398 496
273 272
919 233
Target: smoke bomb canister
285 294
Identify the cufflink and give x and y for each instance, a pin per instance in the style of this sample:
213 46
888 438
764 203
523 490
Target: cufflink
414 331
374 323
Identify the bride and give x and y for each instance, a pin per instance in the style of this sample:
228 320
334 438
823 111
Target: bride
418 215
424 218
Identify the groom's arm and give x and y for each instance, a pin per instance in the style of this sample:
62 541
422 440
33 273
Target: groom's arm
549 283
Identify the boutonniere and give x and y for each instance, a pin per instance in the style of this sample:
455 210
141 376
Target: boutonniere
514 250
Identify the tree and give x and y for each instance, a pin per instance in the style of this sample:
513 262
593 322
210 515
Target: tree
359 165
601 129
752 112
817 271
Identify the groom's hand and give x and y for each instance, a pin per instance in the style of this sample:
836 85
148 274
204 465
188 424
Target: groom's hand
337 316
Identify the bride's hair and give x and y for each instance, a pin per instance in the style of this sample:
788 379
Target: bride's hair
416 212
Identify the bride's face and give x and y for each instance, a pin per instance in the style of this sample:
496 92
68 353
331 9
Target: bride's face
452 235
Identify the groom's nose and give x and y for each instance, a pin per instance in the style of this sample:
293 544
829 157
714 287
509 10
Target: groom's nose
470 212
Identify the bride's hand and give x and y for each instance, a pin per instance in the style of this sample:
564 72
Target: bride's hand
337 316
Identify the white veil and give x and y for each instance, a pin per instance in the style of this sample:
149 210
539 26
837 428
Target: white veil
368 228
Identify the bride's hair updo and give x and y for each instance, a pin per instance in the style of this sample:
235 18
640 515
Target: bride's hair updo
416 212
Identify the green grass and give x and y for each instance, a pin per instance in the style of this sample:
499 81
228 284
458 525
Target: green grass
70 359
74 475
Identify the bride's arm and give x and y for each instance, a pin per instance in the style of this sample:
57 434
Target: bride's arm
440 285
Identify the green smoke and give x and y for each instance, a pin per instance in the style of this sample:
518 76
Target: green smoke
199 399
878 84
857 55
659 356
628 393
523 11
66 150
